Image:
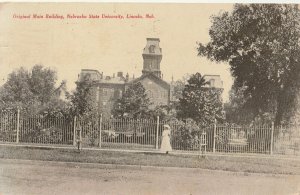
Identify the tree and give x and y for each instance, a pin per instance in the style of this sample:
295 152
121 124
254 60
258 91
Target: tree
82 99
261 44
32 91
200 103
236 110
134 103
165 112
42 83
179 86
16 91
186 135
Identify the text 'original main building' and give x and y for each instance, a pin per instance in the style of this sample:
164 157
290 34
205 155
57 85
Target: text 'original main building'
107 89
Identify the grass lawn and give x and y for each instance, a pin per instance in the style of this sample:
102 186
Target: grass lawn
228 163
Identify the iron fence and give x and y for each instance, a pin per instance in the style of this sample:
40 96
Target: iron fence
45 130
145 134
287 140
240 139
8 127
35 129
118 133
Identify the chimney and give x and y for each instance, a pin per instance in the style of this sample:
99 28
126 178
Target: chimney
127 76
120 74
114 75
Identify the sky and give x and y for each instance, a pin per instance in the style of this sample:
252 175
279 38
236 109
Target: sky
108 45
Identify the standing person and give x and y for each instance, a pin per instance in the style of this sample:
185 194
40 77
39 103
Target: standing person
166 140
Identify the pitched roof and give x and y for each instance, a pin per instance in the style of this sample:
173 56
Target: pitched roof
93 75
152 77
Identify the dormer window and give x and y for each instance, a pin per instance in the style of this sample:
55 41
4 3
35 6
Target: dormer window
151 49
87 77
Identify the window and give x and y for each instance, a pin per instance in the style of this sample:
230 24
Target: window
112 91
212 82
151 49
105 92
87 77
149 93
97 96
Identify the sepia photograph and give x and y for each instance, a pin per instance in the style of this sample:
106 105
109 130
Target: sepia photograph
149 98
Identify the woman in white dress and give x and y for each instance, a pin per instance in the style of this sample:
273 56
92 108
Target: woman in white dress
166 142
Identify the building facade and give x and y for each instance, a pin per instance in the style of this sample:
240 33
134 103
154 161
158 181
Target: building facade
107 89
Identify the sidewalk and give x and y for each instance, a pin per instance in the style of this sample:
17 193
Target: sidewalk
176 152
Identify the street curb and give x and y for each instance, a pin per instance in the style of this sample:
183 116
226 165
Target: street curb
137 167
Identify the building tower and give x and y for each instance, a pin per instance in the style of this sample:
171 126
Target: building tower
152 57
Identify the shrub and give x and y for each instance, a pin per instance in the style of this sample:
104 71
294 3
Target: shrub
185 135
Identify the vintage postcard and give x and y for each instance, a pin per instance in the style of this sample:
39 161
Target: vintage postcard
149 98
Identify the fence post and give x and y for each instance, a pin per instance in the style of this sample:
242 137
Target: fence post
74 132
18 125
100 129
157 129
214 136
272 139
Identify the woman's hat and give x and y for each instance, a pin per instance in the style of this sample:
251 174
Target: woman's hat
167 127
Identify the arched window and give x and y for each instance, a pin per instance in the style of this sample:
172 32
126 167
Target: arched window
149 93
151 49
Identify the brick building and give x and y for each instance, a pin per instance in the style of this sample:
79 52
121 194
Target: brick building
107 89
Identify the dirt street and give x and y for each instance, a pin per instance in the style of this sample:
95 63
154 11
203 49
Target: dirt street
37 177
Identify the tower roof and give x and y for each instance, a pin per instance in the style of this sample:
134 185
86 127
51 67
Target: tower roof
153 39
90 74
152 47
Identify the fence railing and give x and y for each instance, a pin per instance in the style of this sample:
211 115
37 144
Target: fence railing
118 133
8 127
45 130
146 134
241 139
287 140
